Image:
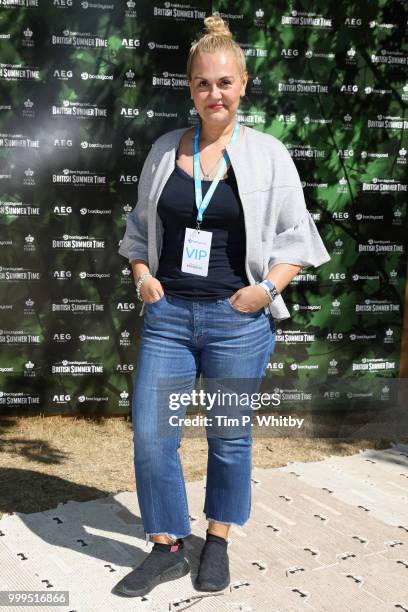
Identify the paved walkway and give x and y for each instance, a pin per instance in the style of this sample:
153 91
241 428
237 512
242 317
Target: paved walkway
329 535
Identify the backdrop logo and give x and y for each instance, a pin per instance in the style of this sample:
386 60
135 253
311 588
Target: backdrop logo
289 53
168 80
18 274
78 110
125 306
306 19
61 399
353 22
95 145
18 141
154 114
63 75
62 274
128 179
85 76
301 86
373 364
28 40
63 143
350 89
18 337
78 178
124 399
11 72
76 368
78 243
96 5
129 80
129 112
130 9
124 368
130 43
388 123
93 398
61 210
294 336
77 306
62 337
29 243
171 10
80 40
63 3
86 338
12 3
18 209
124 338
18 398
162 46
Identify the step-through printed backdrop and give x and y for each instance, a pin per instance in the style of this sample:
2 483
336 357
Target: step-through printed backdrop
87 86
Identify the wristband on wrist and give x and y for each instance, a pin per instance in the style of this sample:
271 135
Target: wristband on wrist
140 282
270 289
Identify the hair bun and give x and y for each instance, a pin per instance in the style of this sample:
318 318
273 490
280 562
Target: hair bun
216 26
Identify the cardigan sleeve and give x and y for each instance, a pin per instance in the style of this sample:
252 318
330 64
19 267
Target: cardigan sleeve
134 242
297 240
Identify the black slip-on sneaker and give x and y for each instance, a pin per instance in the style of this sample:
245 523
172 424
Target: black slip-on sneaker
213 572
157 567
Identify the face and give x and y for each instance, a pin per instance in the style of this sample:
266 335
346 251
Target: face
216 86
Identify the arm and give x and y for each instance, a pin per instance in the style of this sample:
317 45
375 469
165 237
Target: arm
281 275
296 242
253 297
134 244
151 289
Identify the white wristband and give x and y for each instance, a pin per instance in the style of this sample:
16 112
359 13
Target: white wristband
140 282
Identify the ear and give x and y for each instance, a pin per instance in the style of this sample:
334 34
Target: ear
244 83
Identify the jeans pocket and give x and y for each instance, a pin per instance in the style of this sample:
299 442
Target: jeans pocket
150 304
239 312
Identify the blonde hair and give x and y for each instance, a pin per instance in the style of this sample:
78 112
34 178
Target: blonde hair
217 37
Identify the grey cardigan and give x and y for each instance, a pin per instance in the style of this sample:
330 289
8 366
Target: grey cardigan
278 226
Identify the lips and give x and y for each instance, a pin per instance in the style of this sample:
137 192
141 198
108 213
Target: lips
216 106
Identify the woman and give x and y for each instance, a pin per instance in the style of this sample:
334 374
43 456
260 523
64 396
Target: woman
219 230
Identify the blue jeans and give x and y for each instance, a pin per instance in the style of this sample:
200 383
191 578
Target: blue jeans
180 340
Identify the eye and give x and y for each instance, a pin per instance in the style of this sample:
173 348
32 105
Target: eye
226 82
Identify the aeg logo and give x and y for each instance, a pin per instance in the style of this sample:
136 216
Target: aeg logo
61 399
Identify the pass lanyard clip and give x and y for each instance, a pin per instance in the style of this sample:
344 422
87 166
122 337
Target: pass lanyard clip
200 203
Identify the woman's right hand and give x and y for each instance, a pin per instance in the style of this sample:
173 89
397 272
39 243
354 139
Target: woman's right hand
151 290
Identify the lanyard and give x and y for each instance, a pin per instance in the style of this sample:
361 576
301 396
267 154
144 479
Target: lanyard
200 203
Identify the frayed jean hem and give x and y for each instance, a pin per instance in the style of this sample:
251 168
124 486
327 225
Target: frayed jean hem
214 520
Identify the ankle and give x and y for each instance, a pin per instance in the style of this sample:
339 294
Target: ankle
163 539
216 533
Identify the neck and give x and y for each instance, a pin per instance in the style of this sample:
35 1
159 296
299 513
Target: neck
210 134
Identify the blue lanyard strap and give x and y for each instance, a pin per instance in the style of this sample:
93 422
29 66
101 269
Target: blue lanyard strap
200 203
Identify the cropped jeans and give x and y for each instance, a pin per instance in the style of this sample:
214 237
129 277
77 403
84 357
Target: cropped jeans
182 339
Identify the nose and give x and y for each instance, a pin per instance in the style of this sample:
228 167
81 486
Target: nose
215 93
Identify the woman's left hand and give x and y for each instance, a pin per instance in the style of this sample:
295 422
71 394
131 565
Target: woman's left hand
249 299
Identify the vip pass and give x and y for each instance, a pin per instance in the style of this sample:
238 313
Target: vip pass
197 242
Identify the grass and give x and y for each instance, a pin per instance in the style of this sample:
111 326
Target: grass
47 460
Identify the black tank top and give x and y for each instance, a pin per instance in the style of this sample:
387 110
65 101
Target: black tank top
223 217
